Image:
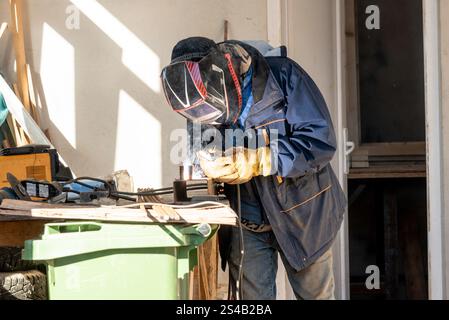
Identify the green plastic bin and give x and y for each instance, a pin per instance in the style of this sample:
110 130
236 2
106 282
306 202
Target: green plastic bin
92 260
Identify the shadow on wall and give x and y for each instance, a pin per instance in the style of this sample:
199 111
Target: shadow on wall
93 104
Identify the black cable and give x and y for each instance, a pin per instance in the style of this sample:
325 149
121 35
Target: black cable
70 191
156 193
124 197
197 186
242 247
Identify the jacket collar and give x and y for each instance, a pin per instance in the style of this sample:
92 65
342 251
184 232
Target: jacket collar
265 88
261 71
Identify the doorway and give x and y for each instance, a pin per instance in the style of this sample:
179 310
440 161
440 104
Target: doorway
387 178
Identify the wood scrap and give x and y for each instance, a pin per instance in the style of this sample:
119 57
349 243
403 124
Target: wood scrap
33 104
3 28
15 233
22 137
141 198
167 213
11 204
12 124
207 214
19 47
204 288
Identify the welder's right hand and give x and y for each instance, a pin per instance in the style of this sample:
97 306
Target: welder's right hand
221 169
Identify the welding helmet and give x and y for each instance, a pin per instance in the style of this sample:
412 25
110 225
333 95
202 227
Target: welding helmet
204 87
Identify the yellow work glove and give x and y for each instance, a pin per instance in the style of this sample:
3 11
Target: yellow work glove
238 166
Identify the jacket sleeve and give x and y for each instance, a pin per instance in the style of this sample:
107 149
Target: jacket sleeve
310 142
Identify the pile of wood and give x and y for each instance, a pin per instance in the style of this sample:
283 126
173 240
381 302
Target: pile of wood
22 125
212 213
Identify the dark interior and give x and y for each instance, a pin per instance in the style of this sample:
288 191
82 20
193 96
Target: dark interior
388 228
388 214
391 72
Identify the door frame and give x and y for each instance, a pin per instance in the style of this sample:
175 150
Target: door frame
341 245
437 260
437 266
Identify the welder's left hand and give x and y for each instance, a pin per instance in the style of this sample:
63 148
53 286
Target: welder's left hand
221 169
239 165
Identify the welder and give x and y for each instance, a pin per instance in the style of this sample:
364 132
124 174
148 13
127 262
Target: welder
290 200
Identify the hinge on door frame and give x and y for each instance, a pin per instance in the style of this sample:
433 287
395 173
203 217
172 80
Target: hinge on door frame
348 147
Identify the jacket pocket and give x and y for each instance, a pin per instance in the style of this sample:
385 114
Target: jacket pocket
307 200
304 200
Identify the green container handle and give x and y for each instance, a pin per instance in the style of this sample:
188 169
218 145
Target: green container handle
71 227
203 230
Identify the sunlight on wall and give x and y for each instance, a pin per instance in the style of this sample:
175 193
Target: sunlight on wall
138 143
57 71
136 56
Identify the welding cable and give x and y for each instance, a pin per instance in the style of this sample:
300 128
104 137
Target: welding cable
124 195
167 190
239 290
163 191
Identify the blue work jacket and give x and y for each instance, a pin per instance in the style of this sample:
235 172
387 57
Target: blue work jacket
303 200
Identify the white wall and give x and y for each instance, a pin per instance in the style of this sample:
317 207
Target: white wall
311 42
99 85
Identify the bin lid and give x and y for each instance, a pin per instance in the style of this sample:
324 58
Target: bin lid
74 238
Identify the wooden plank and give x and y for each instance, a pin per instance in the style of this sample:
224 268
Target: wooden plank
391 149
387 172
204 277
14 233
14 129
19 47
32 94
210 250
12 204
22 137
212 215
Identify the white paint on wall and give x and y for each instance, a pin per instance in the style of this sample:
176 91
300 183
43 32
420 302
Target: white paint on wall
135 125
57 67
311 43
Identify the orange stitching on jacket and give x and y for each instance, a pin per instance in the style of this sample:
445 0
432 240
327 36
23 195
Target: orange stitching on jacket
268 123
265 137
308 200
